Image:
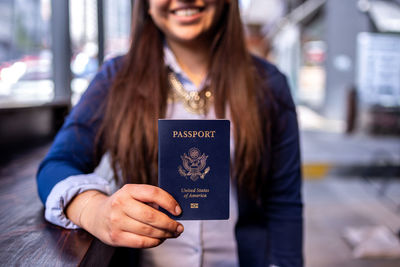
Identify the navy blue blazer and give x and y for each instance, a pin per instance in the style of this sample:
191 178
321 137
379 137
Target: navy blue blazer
267 232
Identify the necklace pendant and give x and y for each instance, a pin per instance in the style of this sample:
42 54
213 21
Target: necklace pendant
193 102
196 106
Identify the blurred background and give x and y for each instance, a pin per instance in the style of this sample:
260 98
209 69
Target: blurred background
342 60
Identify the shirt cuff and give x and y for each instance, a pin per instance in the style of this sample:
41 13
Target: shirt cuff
64 191
102 179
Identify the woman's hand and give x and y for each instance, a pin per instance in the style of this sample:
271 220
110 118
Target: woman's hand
127 218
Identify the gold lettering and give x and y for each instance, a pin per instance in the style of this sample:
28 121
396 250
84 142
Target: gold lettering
193 134
187 190
202 190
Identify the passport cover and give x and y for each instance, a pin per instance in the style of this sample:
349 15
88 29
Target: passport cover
193 166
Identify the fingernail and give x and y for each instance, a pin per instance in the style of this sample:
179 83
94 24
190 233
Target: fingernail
179 229
178 210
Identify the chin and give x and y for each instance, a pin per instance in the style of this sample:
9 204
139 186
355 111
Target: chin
186 38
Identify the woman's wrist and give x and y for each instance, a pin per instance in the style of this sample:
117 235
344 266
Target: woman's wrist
89 212
76 211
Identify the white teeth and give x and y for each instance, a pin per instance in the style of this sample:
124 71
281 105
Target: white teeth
187 12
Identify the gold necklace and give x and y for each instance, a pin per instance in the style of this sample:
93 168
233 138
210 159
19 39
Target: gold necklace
194 102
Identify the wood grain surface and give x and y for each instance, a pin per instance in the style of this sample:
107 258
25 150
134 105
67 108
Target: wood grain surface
26 239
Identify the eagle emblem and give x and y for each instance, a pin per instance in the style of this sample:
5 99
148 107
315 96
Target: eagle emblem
193 165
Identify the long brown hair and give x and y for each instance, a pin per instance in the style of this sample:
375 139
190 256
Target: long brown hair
138 98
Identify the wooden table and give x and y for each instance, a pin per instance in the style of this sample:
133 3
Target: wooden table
26 239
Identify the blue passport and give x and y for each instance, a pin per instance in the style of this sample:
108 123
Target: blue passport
193 166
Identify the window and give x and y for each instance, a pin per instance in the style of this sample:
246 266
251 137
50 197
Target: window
25 52
117 27
84 44
84 29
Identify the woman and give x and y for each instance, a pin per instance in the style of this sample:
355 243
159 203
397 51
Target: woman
187 60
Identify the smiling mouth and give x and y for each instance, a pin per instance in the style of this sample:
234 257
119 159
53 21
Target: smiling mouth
187 12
